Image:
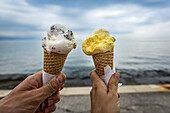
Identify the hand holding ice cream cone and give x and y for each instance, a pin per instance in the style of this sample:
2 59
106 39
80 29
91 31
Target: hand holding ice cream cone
57 45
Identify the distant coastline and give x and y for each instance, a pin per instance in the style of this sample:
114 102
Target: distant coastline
18 38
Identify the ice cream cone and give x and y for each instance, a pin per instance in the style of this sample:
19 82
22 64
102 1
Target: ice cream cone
53 62
101 60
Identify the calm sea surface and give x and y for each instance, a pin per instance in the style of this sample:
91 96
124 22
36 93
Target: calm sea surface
132 55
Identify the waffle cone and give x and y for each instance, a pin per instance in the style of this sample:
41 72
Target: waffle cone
53 62
101 60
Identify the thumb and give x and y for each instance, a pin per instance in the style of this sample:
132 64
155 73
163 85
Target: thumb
53 85
113 83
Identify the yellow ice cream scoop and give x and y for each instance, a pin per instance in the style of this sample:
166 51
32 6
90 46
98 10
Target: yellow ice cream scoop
99 41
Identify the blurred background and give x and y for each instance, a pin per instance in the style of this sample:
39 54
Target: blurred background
141 29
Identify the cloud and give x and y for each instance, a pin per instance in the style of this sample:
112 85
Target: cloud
130 20
19 12
157 31
20 18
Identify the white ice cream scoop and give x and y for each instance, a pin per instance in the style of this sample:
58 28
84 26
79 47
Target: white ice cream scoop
60 40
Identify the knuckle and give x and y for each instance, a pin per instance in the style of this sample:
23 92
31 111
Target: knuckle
33 92
91 72
52 87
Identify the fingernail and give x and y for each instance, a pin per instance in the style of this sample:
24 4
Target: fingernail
60 79
50 102
116 76
118 95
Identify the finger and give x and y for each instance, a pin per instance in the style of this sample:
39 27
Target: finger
113 83
97 82
53 85
38 78
50 109
94 77
53 99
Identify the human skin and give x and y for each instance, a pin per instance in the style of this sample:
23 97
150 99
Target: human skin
104 99
28 95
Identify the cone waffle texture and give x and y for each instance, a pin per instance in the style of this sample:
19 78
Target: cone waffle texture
101 60
53 62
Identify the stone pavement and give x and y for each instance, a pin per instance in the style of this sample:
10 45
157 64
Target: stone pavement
150 102
133 99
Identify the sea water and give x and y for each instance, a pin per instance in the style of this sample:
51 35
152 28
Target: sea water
133 58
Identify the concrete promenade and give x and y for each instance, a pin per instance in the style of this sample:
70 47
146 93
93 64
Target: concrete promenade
133 99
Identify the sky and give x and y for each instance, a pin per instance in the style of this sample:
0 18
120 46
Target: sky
31 19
